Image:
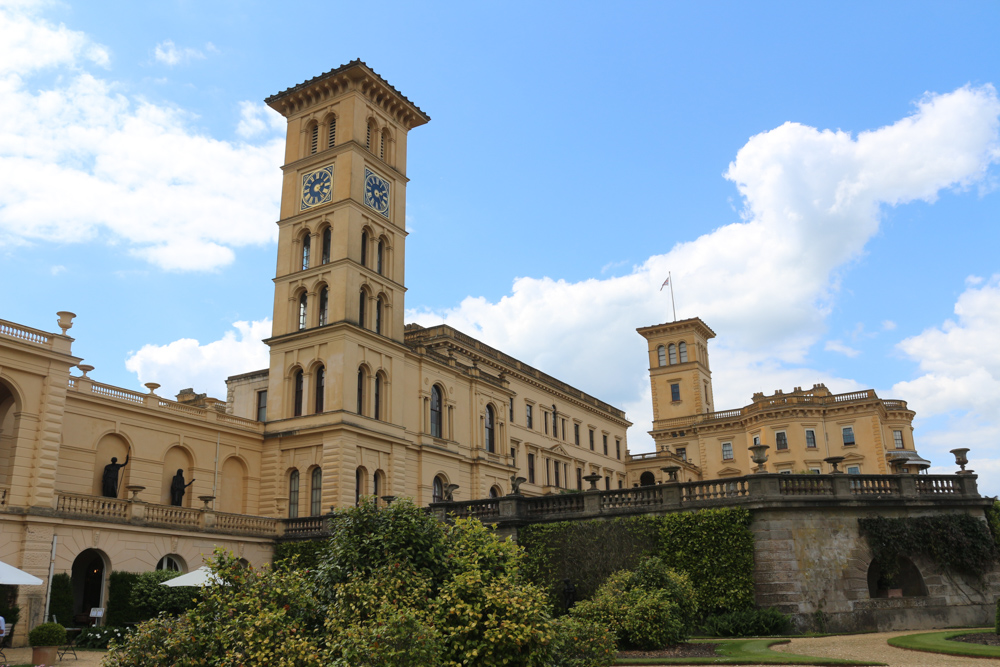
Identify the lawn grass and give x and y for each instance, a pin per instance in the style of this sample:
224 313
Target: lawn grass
937 642
746 652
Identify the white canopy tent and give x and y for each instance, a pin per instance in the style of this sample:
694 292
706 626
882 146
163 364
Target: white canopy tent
12 576
201 577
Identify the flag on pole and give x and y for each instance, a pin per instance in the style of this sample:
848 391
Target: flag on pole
665 283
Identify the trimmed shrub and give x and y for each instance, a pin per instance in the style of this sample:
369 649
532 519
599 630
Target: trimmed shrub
61 602
47 634
139 596
120 609
748 623
580 643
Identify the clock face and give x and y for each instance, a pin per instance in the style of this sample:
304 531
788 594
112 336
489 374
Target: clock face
376 192
317 187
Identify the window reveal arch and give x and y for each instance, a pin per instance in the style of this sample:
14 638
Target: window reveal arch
299 382
320 389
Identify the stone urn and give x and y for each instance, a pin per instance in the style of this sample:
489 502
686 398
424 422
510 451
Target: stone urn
760 457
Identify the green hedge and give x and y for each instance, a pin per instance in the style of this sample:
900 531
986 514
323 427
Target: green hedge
61 602
138 596
308 552
714 547
8 604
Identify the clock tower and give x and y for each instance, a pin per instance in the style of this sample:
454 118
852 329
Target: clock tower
337 355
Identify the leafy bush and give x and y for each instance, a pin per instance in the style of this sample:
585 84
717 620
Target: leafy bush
100 637
61 601
139 596
993 520
308 552
9 608
748 623
581 643
714 547
47 634
646 609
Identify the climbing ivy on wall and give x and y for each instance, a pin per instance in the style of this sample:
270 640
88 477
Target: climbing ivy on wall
714 547
957 541
993 519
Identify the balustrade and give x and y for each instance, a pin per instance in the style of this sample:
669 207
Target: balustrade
805 485
642 496
938 484
246 524
93 506
23 333
569 502
718 489
173 516
874 485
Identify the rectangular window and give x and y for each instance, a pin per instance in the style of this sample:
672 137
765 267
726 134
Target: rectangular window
556 466
675 392
576 434
848 436
564 429
815 471
727 451
591 439
607 483
512 411
810 438
620 484
548 472
531 468
756 440
853 470
781 440
897 437
605 438
513 456
262 405
579 479
785 472
618 449
682 453
545 421
527 416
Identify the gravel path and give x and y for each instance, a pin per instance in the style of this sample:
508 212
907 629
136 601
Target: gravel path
874 647
22 656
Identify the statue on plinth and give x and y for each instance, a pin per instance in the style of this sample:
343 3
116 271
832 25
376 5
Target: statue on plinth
109 482
177 488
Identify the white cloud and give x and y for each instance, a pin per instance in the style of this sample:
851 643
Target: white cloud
57 269
130 172
187 363
888 325
811 201
166 52
257 119
838 346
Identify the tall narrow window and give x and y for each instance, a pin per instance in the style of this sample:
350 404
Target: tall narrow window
672 353
555 423
848 435
618 448
527 416
378 397
675 392
262 405
364 248
303 299
378 315
576 434
605 440
512 411
682 347
381 146
531 468
727 451
897 438
316 493
359 480
331 139
436 412
661 355
306 247
361 391
780 440
368 137
490 430
810 438
327 244
379 251
324 305
293 495
361 309
579 479
513 456
591 439
377 484
299 379
314 139
557 474
320 385
545 421
438 490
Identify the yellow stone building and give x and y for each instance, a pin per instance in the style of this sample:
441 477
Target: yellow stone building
352 402
801 429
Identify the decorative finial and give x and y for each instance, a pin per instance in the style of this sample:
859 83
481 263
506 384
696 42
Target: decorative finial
65 320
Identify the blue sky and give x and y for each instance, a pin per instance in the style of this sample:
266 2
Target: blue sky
577 152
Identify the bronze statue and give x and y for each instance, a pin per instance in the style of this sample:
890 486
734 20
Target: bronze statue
109 483
177 487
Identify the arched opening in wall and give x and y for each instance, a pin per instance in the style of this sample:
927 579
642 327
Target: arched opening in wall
360 484
314 138
495 491
362 301
171 563
306 250
379 254
661 355
378 484
490 435
331 126
905 582
672 353
327 244
293 494
438 490
682 349
378 400
177 461
362 377
364 248
8 431
320 390
378 315
232 487
647 479
299 385
324 306
87 579
436 411
111 469
316 492
303 310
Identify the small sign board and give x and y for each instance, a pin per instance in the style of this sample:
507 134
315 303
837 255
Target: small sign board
97 612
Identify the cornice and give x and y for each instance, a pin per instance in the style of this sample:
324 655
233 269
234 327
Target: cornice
694 323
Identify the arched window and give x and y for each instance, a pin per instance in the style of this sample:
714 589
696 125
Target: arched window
293 495
378 315
436 412
672 353
361 391
324 305
683 348
303 299
490 435
378 486
327 244
359 485
299 380
361 309
170 564
494 492
320 386
368 136
306 247
379 251
383 140
378 396
331 138
316 493
438 490
364 248
647 479
314 139
661 355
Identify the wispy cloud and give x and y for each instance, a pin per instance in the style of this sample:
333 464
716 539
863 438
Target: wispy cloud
170 54
840 347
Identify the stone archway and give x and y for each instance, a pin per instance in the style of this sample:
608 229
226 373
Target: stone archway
8 431
647 479
88 578
907 582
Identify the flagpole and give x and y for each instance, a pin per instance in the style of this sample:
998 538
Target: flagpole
672 304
